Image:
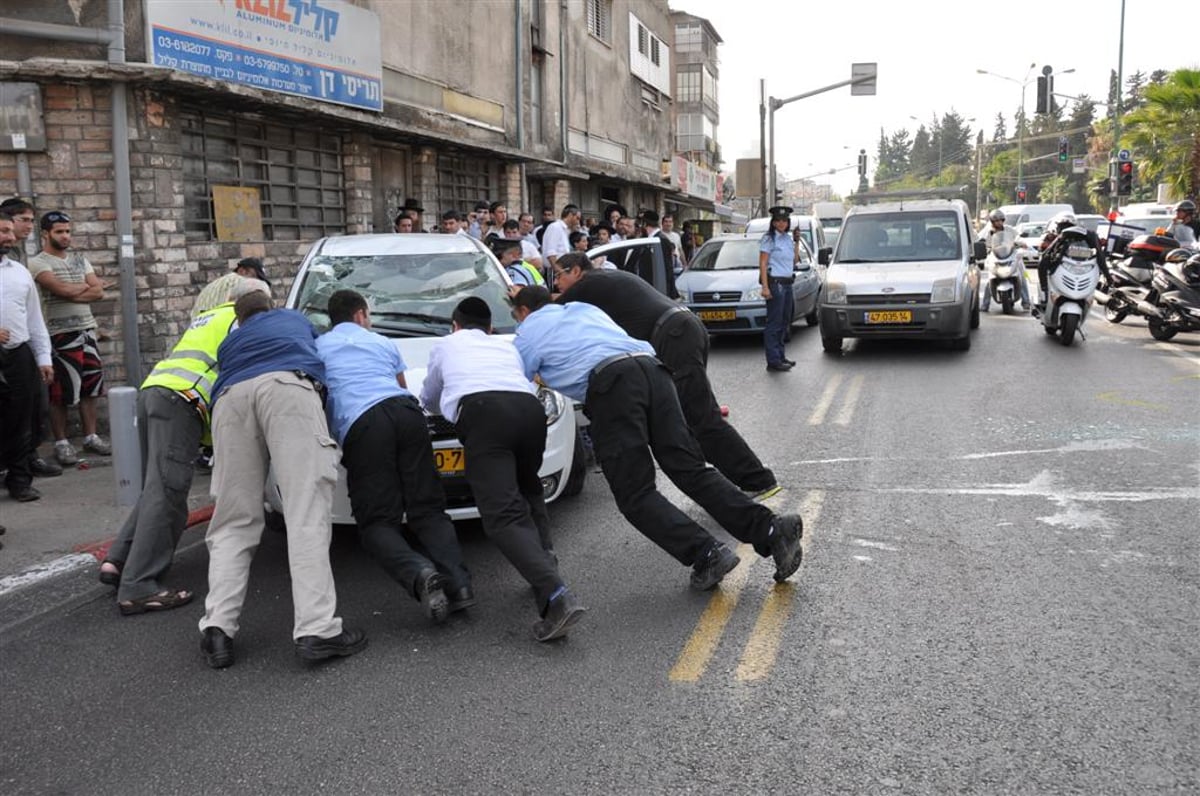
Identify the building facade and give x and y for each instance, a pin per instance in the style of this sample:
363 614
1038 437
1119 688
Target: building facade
531 103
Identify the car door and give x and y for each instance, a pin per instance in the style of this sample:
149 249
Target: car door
645 258
807 282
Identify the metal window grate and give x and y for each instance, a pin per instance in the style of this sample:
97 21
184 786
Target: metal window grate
599 19
463 181
299 174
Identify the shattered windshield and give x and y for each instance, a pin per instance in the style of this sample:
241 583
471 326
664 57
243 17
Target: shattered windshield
410 295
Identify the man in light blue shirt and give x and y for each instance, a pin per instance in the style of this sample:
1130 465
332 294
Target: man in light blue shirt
636 419
389 462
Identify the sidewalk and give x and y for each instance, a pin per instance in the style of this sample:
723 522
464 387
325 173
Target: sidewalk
77 515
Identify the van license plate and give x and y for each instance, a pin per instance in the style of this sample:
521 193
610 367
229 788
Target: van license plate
449 461
717 315
893 316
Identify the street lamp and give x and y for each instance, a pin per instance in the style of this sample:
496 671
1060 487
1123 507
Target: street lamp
1021 125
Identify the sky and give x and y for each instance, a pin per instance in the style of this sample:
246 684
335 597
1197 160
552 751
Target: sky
798 46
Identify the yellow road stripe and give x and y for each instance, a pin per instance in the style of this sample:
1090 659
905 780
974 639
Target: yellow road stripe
1114 396
818 414
762 649
711 625
847 410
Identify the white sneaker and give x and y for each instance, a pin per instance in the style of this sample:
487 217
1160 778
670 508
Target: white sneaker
94 444
65 453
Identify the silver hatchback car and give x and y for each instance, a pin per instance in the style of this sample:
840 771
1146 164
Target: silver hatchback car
721 286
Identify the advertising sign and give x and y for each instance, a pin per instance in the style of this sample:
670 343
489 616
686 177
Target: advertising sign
320 49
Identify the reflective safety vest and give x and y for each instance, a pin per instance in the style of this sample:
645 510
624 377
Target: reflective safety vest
191 367
532 272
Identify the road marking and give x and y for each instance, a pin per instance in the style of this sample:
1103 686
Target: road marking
1114 396
818 414
1069 448
847 410
711 625
762 648
45 571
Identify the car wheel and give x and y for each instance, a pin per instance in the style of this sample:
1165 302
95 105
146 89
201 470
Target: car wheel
961 343
812 318
578 472
832 345
975 314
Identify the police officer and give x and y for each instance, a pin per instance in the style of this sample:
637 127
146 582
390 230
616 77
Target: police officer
680 342
776 266
636 420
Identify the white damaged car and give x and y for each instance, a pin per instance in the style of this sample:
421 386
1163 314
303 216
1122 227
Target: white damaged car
412 284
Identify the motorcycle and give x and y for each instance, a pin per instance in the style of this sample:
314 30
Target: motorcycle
1176 307
1129 277
1005 267
1071 287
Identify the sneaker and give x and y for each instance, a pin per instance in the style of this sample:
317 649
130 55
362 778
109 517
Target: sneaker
760 495
712 566
65 453
44 469
431 595
561 615
785 545
94 444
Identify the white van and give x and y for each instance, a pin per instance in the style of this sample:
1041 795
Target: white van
1020 214
810 228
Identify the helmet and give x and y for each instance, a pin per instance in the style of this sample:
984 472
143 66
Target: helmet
996 215
1177 256
1061 222
1191 269
1186 206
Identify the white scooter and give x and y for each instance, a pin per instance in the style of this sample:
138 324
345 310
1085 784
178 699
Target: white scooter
1005 267
1072 286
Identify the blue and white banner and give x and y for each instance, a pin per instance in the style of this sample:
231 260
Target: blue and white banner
320 49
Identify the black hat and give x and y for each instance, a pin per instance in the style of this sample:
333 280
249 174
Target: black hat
413 204
256 264
501 245
780 211
474 310
650 217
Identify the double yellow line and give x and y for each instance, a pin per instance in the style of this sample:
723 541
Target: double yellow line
762 647
825 402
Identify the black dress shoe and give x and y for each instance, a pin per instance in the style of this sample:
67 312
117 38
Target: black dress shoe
785 545
431 595
789 362
44 469
561 614
217 647
779 367
315 648
24 494
712 566
461 598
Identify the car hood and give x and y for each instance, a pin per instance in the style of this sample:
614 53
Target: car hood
415 353
870 278
741 279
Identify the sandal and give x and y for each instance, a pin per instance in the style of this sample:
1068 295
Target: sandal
165 600
111 578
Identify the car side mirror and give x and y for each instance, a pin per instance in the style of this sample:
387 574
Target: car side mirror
803 267
980 251
824 255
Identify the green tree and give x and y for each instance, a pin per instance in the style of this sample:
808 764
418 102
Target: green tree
1165 133
922 159
1053 190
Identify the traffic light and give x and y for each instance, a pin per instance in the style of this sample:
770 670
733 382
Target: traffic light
1045 94
1020 194
862 162
1125 173
778 196
1064 150
1103 187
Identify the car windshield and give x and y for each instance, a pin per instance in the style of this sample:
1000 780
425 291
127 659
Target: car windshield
723 255
900 237
1032 230
410 295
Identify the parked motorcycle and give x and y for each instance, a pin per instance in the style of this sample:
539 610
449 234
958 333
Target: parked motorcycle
1071 286
1129 277
1005 267
1176 307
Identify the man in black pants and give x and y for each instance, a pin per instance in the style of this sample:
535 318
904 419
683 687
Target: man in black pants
634 409
390 473
475 380
680 342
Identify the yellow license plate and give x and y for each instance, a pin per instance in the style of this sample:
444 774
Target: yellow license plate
449 460
717 315
891 316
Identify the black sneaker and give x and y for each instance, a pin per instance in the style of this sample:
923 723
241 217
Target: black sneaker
432 595
315 648
40 468
712 566
785 545
217 648
561 615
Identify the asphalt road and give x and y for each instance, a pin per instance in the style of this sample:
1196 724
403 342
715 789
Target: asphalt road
999 596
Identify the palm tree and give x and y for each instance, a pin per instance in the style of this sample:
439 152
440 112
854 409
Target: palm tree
1166 130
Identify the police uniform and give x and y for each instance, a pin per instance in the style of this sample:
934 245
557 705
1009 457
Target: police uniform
778 276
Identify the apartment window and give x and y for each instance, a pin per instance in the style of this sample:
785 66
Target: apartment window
599 19
297 171
688 38
654 52
687 86
709 88
463 181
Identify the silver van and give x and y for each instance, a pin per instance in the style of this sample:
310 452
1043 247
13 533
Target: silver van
905 269
1022 214
810 228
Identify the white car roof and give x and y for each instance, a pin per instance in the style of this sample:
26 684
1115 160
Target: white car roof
396 243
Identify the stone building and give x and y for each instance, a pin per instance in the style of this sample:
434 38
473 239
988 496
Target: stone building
530 102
